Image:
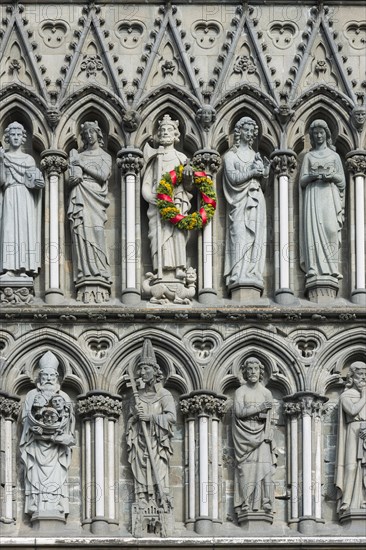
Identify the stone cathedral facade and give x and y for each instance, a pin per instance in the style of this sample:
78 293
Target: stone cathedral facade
182 274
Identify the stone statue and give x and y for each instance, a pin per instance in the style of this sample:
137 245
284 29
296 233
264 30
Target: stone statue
244 172
206 116
167 243
149 433
21 208
45 446
350 477
358 117
253 445
323 182
89 173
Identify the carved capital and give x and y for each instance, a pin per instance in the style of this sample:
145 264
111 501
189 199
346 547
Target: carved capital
130 161
208 404
292 408
208 160
305 404
9 407
53 162
356 162
284 162
99 404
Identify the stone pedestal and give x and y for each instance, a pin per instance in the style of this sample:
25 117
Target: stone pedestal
93 290
285 297
322 289
207 296
246 292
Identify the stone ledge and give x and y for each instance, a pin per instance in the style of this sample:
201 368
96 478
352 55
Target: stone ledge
227 543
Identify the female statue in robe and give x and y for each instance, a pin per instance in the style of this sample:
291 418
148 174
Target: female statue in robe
21 207
89 173
323 183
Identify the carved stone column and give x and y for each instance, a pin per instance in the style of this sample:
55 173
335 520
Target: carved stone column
356 164
99 412
203 411
209 161
304 437
9 412
284 164
53 163
130 161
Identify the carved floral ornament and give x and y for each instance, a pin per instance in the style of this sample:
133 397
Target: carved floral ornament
203 404
356 162
9 408
99 405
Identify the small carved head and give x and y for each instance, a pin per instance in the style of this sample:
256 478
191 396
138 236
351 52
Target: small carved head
168 131
15 128
50 416
249 363
320 124
86 128
206 116
245 123
358 117
131 120
356 375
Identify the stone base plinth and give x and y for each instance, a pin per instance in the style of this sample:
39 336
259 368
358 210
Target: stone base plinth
48 522
203 526
308 525
322 289
246 292
54 296
254 519
358 296
356 518
131 296
93 290
285 297
207 296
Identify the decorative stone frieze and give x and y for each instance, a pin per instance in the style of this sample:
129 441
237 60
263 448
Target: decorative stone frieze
283 162
54 162
356 162
99 404
9 406
208 160
203 403
130 161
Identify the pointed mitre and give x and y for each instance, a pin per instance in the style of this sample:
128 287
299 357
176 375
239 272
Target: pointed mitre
147 356
49 361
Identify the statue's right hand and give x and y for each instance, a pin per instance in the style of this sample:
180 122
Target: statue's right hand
266 405
37 430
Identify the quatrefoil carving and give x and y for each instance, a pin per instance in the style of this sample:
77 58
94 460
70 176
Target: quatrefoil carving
53 33
307 347
206 33
130 33
282 33
99 347
356 34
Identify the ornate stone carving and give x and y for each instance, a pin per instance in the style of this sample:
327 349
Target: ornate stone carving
54 162
91 64
323 183
351 446
244 170
358 117
18 296
130 161
99 404
88 202
9 407
292 408
282 33
130 33
356 162
45 446
243 64
21 211
207 160
131 120
149 433
283 163
174 291
53 116
167 243
206 33
203 403
53 33
254 446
